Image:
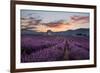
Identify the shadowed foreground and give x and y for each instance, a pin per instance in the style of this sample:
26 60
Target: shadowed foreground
53 48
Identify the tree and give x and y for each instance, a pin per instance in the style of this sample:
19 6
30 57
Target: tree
49 32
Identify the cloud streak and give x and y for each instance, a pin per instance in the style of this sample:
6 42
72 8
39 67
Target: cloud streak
73 23
80 19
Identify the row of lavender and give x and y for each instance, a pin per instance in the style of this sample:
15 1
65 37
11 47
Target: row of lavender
53 48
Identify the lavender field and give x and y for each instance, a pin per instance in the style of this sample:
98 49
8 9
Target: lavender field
53 48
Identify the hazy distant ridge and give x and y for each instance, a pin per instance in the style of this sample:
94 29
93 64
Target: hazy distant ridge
77 32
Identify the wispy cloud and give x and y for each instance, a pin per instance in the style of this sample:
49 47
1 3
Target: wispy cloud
61 25
80 19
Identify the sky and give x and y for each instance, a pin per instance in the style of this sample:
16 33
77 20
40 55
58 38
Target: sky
55 21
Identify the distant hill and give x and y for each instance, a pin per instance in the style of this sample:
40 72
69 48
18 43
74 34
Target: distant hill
77 32
30 32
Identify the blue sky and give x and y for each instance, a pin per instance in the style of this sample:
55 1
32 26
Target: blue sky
50 16
69 20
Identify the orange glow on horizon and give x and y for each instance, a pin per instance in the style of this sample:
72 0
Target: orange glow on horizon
74 23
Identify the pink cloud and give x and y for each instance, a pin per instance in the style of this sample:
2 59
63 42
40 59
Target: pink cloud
80 19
